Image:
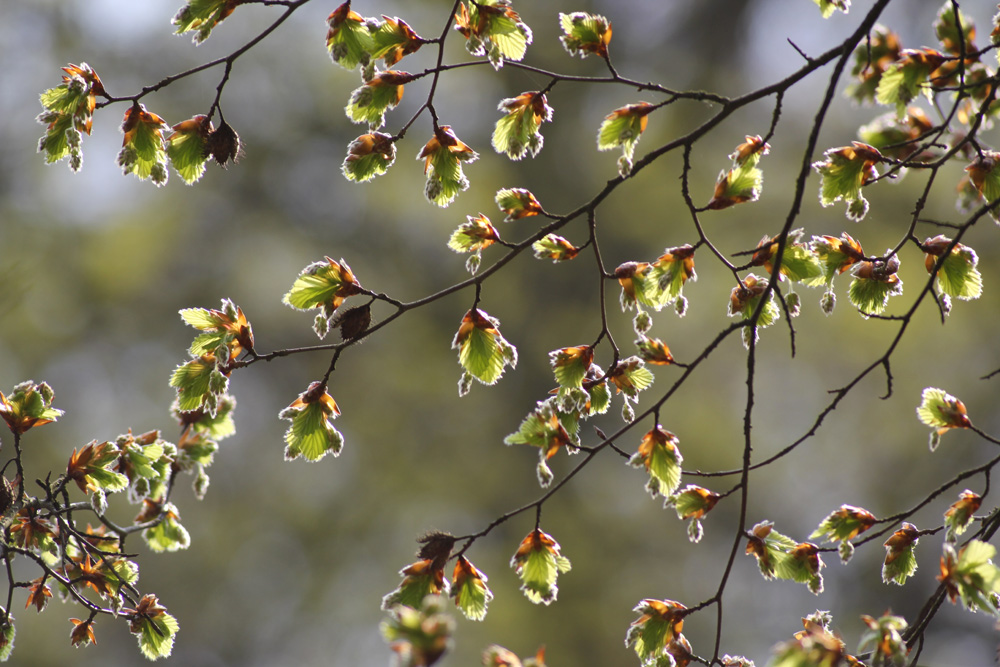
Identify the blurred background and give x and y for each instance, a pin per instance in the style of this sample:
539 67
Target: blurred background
289 561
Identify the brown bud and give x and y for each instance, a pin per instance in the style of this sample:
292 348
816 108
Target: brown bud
224 145
436 546
353 322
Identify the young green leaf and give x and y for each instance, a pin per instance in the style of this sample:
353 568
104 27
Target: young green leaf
323 285
743 182
900 562
952 39
443 156
802 565
155 628
884 639
835 256
7 633
971 575
959 516
942 412
985 178
769 547
827 7
554 247
517 203
368 156
349 39
543 428
420 579
517 133
201 16
843 172
69 111
659 454
585 33
493 29
693 502
382 92
871 59
570 364
958 276
743 302
143 153
470 591
622 127
199 383
659 624
630 376
168 534
419 635
187 147
227 327
91 468
538 562
482 351
654 351
873 284
393 40
28 405
799 261
908 77
844 524
311 434
474 235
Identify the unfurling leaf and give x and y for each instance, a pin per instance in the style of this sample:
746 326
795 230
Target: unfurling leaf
799 261
227 327
985 178
835 255
474 235
394 39
958 276
382 92
323 285
443 156
657 284
630 376
622 127
570 364
311 434
658 626
423 578
517 203
659 454
29 405
82 633
744 300
168 534
349 39
960 514
743 182
368 156
972 576
493 29
543 428
906 78
842 174
200 383
187 147
844 524
69 111
871 59
654 351
554 247
92 468
517 133
884 638
873 284
584 34
802 565
900 562
482 351
942 412
143 153
827 7
420 635
468 587
155 628
946 27
201 16
769 547
693 502
538 562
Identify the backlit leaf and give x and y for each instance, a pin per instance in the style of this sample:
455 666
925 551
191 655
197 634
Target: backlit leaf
538 562
659 454
312 435
187 147
368 156
348 39
585 33
201 16
493 29
443 156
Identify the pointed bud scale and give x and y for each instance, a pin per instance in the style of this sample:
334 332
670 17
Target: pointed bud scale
538 562
469 589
